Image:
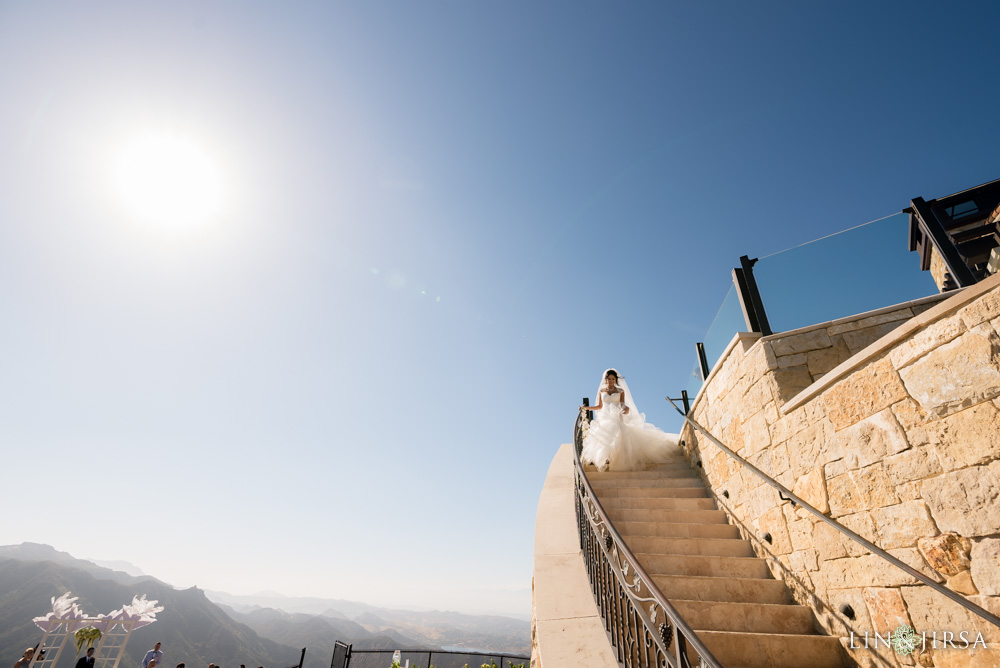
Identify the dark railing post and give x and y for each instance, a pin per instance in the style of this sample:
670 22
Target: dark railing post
702 360
685 401
590 414
302 658
749 294
944 244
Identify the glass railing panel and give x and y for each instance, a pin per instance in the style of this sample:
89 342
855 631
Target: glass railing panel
694 380
851 272
728 321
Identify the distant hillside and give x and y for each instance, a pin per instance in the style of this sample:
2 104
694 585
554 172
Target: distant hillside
427 628
318 633
40 552
191 628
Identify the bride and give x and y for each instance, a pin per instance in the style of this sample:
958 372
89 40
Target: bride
619 438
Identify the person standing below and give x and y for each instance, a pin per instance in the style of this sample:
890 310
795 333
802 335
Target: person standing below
25 658
152 655
87 660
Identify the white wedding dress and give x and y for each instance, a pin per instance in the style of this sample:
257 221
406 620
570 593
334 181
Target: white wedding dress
617 441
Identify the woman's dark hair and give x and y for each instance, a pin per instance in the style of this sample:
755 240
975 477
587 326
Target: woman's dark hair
611 372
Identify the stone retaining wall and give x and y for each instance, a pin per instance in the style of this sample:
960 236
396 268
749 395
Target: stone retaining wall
889 423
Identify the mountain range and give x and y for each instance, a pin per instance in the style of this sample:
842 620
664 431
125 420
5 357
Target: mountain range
199 627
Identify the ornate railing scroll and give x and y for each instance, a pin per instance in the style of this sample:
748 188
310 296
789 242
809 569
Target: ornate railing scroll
644 629
786 494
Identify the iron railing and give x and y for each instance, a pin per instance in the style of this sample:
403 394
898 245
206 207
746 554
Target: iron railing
345 656
786 495
642 626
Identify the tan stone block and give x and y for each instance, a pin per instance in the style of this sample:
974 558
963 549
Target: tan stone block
990 604
886 608
789 382
965 501
931 611
732 436
873 439
756 435
912 465
860 339
985 308
771 414
773 522
909 491
864 571
779 459
800 343
962 583
799 531
871 321
912 419
986 566
828 542
933 336
909 414
822 360
968 437
854 597
757 396
786 361
901 525
805 450
863 525
948 553
859 490
758 360
811 488
954 657
865 392
957 375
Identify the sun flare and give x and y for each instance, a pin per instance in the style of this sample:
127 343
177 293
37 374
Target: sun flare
168 179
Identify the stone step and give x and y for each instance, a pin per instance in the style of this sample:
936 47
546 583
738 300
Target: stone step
703 565
718 547
660 472
647 483
661 492
746 617
772 650
676 530
675 516
672 463
744 590
656 503
623 476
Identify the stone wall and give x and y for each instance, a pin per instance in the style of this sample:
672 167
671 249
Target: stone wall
890 424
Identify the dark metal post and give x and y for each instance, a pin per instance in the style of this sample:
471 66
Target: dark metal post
302 658
943 243
702 360
684 399
590 414
753 293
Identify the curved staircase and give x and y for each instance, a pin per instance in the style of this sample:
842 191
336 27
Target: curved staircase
711 576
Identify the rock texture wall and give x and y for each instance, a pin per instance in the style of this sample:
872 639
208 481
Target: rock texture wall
890 424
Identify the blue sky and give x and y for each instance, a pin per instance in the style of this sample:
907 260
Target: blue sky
441 221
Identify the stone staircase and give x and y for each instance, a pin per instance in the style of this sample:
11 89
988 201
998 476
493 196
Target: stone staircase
711 576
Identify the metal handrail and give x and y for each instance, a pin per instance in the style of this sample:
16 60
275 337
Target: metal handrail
505 657
786 494
680 632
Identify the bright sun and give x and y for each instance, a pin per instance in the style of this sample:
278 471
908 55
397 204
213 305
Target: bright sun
168 180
